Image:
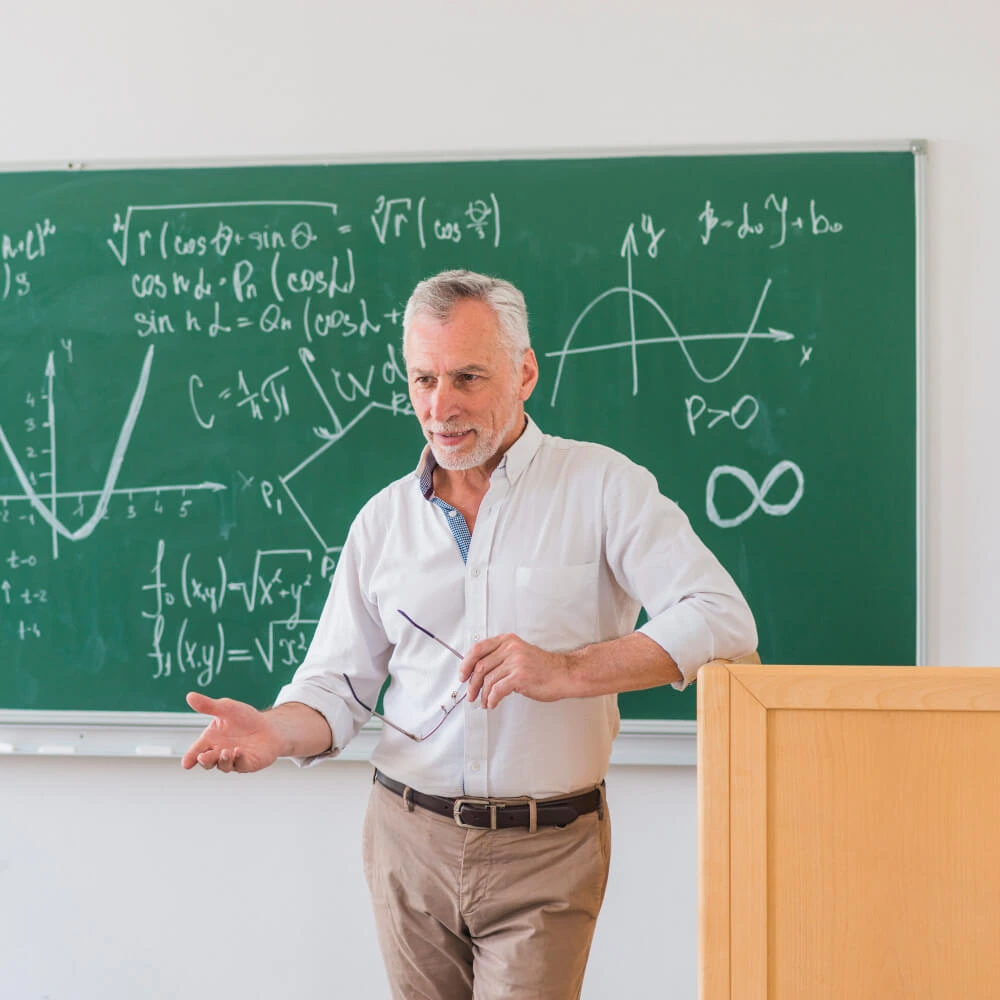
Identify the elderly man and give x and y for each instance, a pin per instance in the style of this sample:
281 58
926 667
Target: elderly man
498 587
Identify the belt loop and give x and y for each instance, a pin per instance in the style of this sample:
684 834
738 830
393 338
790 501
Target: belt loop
600 808
532 816
407 801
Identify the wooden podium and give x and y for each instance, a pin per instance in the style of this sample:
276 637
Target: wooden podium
849 833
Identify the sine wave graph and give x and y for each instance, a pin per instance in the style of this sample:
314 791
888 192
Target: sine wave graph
633 343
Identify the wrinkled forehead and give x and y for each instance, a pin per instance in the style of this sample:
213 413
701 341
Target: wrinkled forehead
468 335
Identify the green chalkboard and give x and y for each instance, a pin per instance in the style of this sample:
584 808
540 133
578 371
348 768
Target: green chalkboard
202 382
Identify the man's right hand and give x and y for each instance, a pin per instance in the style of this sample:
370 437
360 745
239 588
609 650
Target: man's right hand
239 737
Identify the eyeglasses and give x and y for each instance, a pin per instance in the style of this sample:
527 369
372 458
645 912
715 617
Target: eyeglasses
453 701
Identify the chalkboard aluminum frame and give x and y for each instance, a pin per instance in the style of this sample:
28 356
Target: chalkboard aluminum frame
641 741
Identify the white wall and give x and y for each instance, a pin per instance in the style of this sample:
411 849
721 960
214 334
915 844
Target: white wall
135 880
125 879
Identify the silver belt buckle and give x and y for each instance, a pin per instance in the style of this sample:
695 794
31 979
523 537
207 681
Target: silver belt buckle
468 800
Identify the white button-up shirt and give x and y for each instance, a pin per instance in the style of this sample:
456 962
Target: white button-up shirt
570 541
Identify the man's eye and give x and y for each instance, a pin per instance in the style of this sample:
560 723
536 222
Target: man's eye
467 377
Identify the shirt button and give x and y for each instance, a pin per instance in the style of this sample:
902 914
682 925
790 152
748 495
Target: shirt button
453 513
474 767
476 636
475 572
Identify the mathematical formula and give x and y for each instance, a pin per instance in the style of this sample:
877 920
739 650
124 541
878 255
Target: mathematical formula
18 251
272 596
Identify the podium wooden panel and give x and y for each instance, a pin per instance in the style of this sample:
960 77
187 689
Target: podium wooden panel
849 833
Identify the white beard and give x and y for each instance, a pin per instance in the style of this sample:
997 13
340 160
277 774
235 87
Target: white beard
486 446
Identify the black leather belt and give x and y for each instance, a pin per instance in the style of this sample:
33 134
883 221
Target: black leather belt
500 814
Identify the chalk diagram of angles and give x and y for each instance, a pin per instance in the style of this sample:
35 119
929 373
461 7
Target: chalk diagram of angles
45 502
738 340
358 457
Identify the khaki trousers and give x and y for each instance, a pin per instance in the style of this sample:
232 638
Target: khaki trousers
482 914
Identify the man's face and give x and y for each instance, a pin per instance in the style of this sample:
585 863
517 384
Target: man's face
465 390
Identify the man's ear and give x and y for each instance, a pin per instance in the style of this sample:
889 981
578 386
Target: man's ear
529 374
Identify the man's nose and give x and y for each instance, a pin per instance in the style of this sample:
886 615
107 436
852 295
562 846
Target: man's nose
444 402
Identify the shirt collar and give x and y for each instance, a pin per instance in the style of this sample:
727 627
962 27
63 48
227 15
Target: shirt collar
425 472
514 461
519 455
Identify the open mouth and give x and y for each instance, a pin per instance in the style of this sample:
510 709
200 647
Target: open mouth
451 438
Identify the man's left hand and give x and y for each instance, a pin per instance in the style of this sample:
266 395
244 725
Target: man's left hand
503 664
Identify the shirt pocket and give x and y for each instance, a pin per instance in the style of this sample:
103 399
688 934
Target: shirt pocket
557 607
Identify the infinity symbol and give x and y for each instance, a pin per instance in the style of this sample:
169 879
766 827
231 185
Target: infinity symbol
757 494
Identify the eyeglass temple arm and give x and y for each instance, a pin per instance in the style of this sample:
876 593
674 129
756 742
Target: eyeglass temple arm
427 632
355 695
382 718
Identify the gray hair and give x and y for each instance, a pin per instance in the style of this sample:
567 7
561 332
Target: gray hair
437 296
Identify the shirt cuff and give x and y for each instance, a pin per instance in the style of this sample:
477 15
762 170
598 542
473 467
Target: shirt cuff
682 632
332 708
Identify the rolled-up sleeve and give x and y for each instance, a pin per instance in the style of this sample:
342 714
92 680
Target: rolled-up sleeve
696 611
